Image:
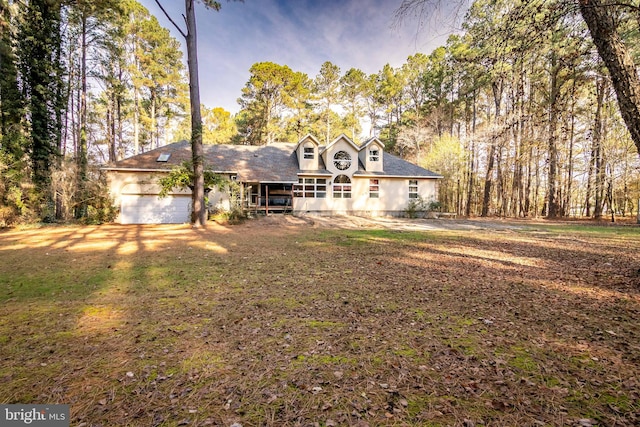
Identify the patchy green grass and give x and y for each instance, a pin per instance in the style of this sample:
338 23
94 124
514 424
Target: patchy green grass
363 237
269 324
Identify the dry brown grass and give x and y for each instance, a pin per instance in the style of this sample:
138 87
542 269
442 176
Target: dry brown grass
285 322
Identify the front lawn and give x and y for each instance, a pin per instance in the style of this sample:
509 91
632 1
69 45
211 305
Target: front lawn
280 323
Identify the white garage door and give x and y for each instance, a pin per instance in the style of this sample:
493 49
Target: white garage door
137 209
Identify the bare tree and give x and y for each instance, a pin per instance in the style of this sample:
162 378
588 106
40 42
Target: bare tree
602 18
199 212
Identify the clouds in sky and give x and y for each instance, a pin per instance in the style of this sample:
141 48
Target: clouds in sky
302 34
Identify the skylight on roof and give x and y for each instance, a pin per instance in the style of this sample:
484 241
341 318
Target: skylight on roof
163 157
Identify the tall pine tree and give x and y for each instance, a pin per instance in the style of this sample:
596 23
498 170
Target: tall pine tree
42 70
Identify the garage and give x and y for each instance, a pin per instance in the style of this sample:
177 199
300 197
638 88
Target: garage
151 209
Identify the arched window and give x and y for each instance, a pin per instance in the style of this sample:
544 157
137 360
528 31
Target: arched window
342 187
342 160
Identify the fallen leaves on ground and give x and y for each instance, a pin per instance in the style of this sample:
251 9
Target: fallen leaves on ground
281 322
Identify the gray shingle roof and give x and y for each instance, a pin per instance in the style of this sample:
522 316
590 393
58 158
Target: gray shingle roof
265 163
395 166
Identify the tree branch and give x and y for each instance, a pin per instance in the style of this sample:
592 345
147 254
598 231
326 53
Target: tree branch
170 19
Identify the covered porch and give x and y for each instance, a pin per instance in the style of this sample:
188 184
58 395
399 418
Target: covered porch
267 197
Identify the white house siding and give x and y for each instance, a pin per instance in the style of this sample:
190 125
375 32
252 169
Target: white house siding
340 145
363 155
131 183
308 164
219 201
131 191
393 200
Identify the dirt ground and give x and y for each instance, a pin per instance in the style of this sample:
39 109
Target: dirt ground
311 321
434 224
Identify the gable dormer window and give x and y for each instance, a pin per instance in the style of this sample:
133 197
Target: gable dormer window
342 160
309 153
374 155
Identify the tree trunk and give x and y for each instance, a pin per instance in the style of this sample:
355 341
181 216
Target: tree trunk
153 143
199 214
587 198
599 17
470 184
69 105
60 93
516 183
136 100
486 199
472 154
500 190
527 189
81 205
111 127
119 100
536 192
625 187
328 113
136 122
597 150
567 199
552 201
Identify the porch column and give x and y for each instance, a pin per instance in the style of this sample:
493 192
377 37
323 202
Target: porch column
266 200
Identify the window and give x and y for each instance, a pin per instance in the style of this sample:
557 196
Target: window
342 187
413 188
374 188
310 188
342 160
164 157
309 153
374 155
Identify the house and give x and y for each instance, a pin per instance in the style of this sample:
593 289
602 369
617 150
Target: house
302 178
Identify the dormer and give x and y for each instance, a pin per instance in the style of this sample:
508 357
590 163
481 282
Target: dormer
308 153
341 156
370 155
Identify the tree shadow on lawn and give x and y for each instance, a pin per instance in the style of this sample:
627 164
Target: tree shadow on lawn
291 326
537 299
75 299
559 287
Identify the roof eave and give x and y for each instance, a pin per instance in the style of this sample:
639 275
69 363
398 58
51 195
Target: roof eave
370 175
315 173
121 169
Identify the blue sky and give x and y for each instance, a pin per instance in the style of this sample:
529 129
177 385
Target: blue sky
302 34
